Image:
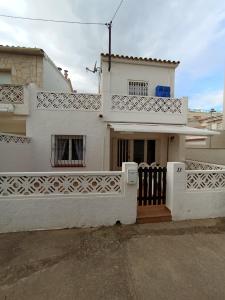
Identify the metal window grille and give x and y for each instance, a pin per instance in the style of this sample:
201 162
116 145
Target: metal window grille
68 150
139 88
122 151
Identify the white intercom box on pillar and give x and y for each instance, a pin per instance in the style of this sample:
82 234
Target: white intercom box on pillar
132 176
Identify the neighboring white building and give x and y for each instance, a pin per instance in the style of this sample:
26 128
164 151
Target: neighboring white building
135 117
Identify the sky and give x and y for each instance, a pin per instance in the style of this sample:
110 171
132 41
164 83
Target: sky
191 31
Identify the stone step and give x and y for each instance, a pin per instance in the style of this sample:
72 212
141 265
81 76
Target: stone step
153 214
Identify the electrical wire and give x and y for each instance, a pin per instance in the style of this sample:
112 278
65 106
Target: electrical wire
52 20
117 10
64 21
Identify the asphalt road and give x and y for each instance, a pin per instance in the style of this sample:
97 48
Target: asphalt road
183 260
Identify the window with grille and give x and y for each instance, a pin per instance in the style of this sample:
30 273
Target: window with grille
68 150
139 88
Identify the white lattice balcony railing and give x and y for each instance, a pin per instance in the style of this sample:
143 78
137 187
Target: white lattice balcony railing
60 183
68 101
13 94
199 165
212 180
123 103
13 138
127 108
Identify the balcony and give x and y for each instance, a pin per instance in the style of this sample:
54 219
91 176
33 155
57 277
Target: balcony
14 99
124 108
69 101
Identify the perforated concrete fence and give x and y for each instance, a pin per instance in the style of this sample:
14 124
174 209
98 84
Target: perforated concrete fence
31 201
196 193
68 101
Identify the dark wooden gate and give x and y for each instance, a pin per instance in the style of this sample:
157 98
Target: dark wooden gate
152 186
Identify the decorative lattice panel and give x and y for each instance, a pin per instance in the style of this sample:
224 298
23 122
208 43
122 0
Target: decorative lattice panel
146 104
205 181
11 94
66 101
14 139
198 165
60 184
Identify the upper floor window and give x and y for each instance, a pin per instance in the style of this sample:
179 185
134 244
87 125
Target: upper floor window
139 88
68 150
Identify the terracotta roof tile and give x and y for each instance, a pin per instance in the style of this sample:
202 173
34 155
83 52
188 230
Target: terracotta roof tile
140 58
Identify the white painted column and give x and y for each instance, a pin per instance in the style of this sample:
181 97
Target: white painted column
130 172
106 150
175 188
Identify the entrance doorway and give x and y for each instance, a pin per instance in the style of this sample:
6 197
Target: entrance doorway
137 150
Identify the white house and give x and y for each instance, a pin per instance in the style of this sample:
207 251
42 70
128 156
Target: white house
135 117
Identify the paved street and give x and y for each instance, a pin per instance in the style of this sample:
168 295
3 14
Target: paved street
183 260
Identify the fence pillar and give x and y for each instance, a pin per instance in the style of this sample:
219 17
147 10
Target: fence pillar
130 179
175 188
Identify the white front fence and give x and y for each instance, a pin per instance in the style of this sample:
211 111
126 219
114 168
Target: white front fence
205 180
200 165
60 183
193 194
31 201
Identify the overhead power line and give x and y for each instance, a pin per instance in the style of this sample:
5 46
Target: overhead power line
108 24
117 10
52 20
64 21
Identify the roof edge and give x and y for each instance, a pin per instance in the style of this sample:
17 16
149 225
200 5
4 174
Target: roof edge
143 59
22 50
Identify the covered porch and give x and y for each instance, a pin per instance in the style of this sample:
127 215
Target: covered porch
149 144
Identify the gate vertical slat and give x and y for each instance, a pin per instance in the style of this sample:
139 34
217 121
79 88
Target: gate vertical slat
155 185
145 185
160 186
150 186
140 186
164 186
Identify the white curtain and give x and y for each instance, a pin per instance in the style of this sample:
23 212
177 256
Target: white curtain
78 148
63 145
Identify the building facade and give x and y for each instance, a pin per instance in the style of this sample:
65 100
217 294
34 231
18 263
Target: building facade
135 117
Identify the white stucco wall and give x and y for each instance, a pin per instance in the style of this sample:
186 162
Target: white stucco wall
41 124
216 156
53 79
122 72
16 157
176 149
187 204
25 213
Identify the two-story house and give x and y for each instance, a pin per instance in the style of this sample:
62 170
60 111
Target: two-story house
20 66
135 117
